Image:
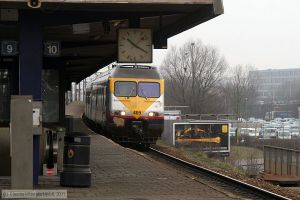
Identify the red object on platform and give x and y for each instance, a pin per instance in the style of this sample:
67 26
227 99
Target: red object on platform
49 171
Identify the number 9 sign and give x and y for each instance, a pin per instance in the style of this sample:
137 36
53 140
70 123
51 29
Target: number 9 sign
9 48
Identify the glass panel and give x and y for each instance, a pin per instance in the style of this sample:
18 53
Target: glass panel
4 96
125 89
50 96
149 89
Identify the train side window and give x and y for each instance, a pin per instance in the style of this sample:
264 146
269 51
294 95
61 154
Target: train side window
105 98
98 100
94 97
104 95
98 97
87 97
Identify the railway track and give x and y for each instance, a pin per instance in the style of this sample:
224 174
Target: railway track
233 187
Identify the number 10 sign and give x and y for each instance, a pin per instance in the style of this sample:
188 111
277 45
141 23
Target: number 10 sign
52 48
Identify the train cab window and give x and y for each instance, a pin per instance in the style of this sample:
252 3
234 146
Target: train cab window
149 89
125 89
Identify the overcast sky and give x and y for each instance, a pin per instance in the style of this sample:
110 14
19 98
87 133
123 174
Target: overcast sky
262 33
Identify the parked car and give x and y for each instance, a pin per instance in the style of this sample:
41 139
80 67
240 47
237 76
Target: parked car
253 132
269 133
295 130
284 134
232 131
249 132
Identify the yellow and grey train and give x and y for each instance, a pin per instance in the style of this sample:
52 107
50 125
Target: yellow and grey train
127 102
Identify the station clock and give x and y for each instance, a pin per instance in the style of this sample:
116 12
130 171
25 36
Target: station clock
134 45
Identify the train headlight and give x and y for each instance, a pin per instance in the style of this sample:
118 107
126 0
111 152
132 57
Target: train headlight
123 113
151 114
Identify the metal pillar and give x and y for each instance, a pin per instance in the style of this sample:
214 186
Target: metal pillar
31 62
62 98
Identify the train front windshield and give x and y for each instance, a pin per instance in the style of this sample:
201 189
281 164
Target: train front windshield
129 89
125 89
149 89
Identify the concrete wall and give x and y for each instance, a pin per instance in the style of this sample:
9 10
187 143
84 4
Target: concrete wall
21 142
167 135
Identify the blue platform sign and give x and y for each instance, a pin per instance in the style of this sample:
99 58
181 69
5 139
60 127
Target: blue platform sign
9 48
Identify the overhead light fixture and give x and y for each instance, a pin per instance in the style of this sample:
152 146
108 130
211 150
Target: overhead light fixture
81 28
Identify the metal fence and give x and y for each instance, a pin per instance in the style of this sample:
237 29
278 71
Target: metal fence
229 117
281 161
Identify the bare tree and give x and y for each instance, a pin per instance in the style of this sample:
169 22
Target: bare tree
240 90
191 73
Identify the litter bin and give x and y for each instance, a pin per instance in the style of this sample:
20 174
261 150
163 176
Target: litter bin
76 165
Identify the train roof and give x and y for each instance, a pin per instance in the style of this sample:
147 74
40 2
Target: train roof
126 71
135 71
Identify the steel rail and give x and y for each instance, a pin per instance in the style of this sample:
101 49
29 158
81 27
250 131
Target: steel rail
223 177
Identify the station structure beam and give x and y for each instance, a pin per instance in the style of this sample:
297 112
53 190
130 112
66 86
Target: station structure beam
30 69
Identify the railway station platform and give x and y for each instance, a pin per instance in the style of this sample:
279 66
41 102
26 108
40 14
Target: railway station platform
123 173
47 46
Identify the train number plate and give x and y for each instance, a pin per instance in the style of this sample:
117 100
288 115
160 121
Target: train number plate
137 112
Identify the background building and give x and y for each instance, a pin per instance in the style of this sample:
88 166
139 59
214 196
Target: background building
277 89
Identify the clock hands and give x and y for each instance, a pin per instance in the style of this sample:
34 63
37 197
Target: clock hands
136 46
139 41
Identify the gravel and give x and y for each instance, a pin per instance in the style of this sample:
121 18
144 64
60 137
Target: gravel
253 181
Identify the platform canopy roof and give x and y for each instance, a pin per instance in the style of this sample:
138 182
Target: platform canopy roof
85 53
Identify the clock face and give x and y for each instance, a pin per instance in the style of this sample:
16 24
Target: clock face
135 45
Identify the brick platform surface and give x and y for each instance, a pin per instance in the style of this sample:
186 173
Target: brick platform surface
120 173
